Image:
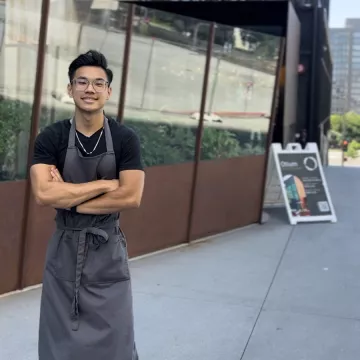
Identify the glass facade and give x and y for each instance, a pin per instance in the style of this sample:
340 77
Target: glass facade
19 33
164 84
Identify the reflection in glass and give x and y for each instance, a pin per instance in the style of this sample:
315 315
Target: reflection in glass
165 85
71 31
240 94
17 75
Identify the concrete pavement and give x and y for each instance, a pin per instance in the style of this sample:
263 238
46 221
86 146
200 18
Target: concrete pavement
335 159
264 292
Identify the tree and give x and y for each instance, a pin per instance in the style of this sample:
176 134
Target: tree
264 44
347 124
336 123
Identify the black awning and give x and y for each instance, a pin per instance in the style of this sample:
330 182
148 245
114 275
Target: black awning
264 16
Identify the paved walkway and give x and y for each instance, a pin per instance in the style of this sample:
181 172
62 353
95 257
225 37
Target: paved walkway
271 292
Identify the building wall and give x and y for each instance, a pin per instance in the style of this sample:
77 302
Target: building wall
315 79
345 47
340 42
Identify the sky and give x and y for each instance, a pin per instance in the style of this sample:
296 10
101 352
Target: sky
342 9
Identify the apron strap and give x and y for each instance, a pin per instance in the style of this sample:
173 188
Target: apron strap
71 142
101 238
108 137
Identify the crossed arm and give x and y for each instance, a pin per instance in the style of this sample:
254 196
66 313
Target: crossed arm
115 195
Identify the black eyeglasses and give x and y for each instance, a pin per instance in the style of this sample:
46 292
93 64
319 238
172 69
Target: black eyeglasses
99 85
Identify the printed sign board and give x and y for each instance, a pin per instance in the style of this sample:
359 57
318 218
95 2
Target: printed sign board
303 184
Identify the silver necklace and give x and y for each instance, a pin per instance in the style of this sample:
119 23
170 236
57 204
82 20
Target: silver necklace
97 143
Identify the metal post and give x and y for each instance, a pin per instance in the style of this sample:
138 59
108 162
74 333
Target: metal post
56 72
214 85
19 66
196 30
78 41
195 35
312 93
200 129
272 123
147 72
122 96
45 7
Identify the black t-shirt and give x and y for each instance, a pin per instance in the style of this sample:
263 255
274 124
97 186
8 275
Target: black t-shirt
51 145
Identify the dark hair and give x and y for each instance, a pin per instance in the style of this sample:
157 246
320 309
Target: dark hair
90 58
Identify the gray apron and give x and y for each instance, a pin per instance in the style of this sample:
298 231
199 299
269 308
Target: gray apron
86 305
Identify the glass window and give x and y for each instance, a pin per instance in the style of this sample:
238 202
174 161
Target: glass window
166 71
19 30
240 95
356 65
72 32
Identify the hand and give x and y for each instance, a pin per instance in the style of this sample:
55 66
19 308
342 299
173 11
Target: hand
55 174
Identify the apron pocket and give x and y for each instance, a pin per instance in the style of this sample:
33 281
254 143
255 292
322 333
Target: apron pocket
105 263
109 263
63 260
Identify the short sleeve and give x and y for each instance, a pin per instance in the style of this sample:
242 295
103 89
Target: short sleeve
130 158
45 149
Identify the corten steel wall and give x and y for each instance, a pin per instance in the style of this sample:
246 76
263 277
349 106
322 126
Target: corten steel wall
162 219
225 194
228 194
11 209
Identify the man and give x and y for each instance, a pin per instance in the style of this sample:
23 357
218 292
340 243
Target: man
89 169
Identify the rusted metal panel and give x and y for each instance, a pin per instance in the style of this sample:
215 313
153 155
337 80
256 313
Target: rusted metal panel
39 231
228 194
11 209
162 219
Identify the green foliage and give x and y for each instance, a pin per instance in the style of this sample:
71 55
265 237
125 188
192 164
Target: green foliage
336 122
353 148
217 144
14 117
347 124
161 143
267 46
356 145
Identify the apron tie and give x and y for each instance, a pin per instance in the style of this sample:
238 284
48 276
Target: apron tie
101 238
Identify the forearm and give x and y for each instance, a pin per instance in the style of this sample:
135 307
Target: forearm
111 202
66 195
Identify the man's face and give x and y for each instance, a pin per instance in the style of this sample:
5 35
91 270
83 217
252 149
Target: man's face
90 89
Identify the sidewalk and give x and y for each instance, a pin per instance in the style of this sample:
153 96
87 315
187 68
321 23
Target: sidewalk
270 292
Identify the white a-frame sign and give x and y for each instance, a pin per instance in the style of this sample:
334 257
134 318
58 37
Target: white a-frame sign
303 184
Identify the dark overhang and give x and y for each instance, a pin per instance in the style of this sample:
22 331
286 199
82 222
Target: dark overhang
269 17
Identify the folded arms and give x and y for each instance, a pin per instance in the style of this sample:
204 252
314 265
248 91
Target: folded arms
95 197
